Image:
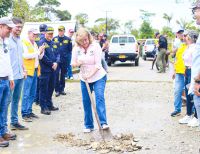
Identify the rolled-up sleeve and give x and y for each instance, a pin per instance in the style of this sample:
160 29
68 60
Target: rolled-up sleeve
97 56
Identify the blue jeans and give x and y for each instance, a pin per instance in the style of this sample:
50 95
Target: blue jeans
69 67
99 88
29 91
179 85
197 106
4 94
14 100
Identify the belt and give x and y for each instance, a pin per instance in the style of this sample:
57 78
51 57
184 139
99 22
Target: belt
4 78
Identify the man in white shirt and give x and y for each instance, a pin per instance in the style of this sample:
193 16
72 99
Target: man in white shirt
31 57
6 79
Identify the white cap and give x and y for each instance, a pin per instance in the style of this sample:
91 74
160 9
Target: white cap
7 21
34 31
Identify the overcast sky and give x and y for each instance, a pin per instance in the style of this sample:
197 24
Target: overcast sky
124 10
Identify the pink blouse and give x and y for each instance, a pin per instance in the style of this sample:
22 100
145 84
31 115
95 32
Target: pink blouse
187 55
91 60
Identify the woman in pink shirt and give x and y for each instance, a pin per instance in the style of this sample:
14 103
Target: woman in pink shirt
87 55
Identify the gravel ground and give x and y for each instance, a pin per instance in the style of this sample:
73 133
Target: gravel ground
141 107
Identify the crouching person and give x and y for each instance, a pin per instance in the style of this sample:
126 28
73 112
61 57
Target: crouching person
31 57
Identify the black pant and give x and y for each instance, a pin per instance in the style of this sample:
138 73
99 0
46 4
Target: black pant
60 77
47 84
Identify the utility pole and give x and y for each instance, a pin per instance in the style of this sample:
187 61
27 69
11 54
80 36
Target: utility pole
107 22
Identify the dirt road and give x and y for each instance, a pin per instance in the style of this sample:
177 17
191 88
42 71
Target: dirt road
138 100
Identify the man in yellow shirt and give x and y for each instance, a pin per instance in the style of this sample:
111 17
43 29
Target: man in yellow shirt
179 71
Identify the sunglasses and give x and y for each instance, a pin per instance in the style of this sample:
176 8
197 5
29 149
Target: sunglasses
5 48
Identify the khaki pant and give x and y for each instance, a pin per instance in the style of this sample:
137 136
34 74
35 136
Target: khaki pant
161 59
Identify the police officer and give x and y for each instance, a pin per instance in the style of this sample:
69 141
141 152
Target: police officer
42 28
65 47
48 63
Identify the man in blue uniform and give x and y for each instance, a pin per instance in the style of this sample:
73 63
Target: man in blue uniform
64 48
48 64
37 40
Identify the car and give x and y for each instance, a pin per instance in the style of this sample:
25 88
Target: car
149 48
123 48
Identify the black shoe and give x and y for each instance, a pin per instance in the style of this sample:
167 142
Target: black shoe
175 113
18 126
33 115
63 93
27 119
54 108
57 94
46 112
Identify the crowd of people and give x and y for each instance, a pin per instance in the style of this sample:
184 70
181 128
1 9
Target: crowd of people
34 67
186 75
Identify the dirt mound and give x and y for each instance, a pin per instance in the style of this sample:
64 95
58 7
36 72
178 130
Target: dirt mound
118 143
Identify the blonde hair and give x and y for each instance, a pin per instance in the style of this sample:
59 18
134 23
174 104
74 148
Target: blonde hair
80 34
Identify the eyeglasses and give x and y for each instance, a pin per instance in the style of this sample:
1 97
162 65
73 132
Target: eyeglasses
5 48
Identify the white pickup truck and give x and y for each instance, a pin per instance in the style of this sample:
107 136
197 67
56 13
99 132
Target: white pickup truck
123 48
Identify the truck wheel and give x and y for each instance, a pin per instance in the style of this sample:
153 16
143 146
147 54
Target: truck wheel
137 62
109 63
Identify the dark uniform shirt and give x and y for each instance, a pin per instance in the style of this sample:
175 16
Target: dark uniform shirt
51 55
162 42
64 47
40 37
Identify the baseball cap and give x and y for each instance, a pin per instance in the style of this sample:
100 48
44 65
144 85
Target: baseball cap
42 27
61 28
33 30
71 30
49 29
180 31
7 21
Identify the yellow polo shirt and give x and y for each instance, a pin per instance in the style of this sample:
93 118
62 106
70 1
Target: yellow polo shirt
179 63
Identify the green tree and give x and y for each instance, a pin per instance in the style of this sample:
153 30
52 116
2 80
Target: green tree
128 26
146 31
112 24
168 18
167 31
48 7
63 15
82 19
5 7
145 15
184 24
21 9
135 32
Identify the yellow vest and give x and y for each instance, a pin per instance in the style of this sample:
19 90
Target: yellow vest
29 64
179 63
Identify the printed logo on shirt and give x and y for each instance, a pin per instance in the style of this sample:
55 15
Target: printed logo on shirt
91 53
56 40
79 52
54 46
65 41
60 44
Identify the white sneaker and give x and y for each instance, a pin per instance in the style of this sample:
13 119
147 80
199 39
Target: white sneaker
105 126
193 123
185 119
87 130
